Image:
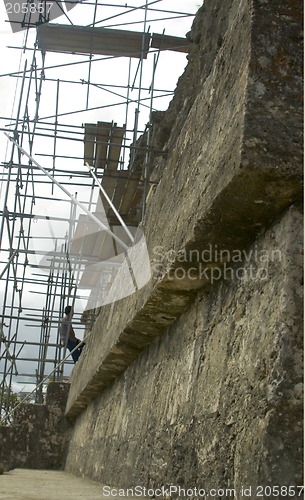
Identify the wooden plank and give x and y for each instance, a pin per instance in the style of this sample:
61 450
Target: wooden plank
129 195
121 196
102 142
120 188
116 140
108 184
89 40
89 143
166 42
120 185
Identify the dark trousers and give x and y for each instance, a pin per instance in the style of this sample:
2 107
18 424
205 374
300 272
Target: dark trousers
76 354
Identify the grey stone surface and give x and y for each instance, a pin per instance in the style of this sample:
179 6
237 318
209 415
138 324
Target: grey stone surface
39 435
196 380
274 92
24 484
216 401
222 183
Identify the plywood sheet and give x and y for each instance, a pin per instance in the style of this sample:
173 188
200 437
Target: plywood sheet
88 40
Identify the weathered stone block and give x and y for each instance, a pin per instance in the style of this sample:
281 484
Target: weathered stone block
39 435
224 181
215 402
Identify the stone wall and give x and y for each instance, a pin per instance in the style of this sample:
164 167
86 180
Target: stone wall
216 401
213 190
195 377
38 437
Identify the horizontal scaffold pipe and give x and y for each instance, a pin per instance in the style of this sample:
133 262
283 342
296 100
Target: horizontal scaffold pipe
122 103
74 200
66 64
83 82
28 317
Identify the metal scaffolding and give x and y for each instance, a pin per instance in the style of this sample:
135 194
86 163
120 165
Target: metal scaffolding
85 97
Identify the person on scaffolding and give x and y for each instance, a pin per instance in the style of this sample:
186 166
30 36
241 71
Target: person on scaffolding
67 335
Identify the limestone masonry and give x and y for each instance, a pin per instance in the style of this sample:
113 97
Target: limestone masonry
191 380
196 379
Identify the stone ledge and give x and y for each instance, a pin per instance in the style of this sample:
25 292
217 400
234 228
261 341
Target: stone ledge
213 191
219 391
160 304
